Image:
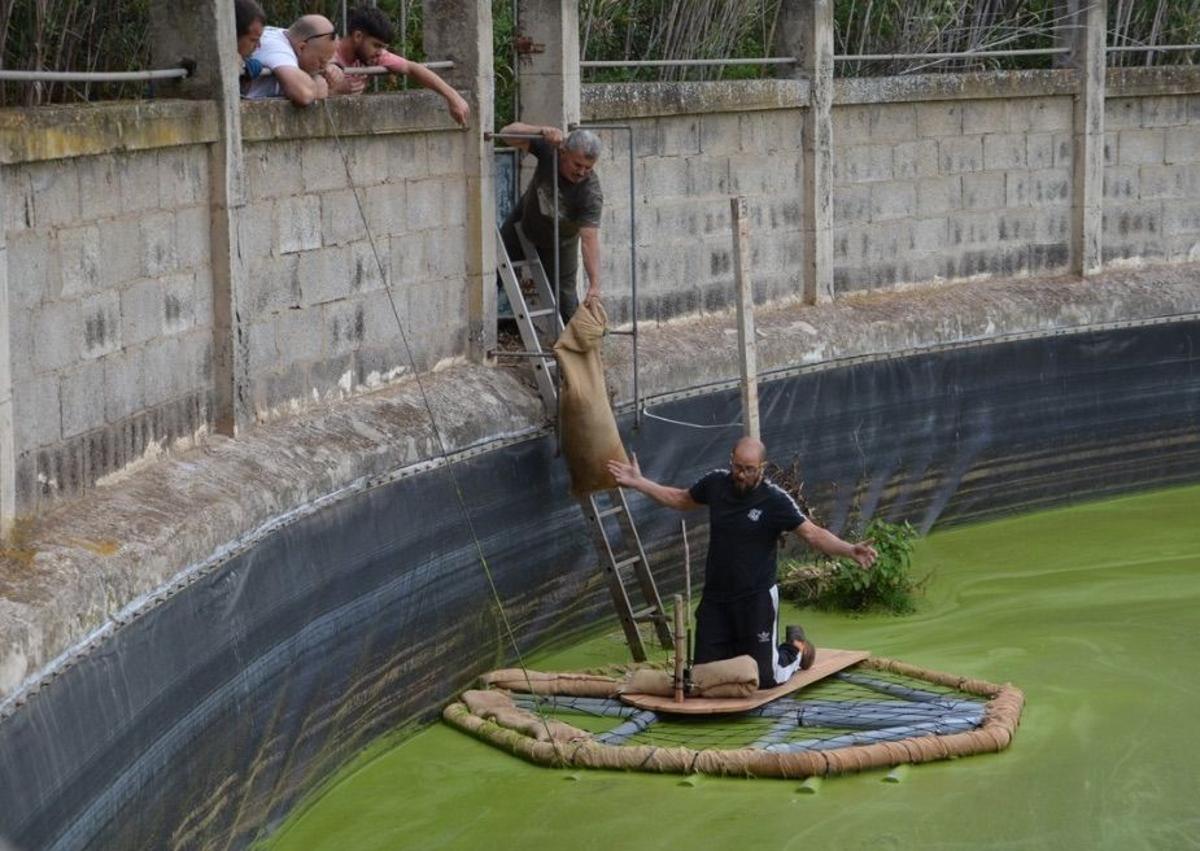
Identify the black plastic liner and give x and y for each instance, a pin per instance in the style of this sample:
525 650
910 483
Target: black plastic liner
204 720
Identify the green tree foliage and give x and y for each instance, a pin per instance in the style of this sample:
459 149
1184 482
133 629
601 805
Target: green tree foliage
840 584
111 36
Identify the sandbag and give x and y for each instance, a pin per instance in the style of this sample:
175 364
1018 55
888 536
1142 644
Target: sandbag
497 706
648 681
589 431
736 677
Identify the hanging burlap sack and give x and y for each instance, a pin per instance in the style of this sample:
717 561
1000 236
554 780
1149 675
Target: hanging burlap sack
589 430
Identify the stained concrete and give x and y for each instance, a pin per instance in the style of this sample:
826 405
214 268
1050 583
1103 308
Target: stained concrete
86 565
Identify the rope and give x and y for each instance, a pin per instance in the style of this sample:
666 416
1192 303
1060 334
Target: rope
433 424
646 412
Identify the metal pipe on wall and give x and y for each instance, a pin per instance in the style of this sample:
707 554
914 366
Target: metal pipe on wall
633 276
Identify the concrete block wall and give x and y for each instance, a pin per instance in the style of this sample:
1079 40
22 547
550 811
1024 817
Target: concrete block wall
951 189
1152 179
318 317
693 149
110 300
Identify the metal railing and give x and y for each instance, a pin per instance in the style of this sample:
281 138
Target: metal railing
9 76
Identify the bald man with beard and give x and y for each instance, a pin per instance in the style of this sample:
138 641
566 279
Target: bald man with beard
748 516
300 60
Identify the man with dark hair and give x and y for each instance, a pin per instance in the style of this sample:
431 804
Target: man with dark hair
251 20
748 515
580 203
369 32
300 62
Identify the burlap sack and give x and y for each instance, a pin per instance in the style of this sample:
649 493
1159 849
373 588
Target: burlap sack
648 681
589 430
736 677
498 706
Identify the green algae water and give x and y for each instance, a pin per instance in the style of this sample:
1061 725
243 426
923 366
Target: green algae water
1092 610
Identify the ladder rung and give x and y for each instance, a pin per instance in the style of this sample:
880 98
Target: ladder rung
534 314
609 512
649 613
625 562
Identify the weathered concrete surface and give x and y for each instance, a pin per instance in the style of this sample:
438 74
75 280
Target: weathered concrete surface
71 569
76 567
702 350
59 132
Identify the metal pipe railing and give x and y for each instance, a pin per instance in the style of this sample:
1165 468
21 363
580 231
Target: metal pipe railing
379 70
963 54
1147 48
685 63
633 276
554 151
9 76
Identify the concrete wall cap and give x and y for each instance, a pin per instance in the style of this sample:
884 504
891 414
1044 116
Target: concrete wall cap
367 115
75 130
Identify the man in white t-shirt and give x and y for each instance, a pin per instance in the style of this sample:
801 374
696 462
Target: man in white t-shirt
299 60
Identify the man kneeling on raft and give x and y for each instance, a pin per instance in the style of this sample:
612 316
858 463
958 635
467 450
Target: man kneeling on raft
748 515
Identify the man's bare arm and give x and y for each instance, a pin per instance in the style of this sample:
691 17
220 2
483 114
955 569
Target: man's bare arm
630 476
552 135
821 539
455 105
299 87
589 243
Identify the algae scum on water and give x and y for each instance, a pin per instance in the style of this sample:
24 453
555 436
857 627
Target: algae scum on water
1092 610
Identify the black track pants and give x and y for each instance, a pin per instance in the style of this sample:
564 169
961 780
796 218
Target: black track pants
746 626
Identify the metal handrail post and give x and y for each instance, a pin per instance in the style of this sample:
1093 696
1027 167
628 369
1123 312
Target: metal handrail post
633 276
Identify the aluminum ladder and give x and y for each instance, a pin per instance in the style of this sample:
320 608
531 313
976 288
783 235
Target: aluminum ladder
540 323
624 563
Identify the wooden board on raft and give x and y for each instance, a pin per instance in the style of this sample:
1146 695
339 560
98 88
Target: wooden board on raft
828 662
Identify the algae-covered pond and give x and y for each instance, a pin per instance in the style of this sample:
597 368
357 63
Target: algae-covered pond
1093 610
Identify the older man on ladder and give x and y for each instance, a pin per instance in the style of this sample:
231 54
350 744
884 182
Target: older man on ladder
580 202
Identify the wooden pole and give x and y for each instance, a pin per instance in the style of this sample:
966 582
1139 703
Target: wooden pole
747 351
680 648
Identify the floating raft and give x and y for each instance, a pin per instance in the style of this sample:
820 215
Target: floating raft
849 712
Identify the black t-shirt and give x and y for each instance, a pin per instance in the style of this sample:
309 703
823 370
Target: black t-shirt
579 205
744 533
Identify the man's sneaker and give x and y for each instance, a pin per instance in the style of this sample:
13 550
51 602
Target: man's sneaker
808 652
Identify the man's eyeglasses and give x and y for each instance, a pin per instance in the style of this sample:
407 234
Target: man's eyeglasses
746 468
330 34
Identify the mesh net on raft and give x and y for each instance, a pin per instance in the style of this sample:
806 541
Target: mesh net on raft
879 713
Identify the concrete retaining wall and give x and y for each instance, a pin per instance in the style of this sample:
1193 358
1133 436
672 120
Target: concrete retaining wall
110 311
319 322
936 178
111 289
1152 179
695 145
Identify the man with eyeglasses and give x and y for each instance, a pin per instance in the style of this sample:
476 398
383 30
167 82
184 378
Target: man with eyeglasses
748 515
300 62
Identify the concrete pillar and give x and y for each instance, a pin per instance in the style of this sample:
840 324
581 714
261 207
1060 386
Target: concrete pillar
806 32
461 30
204 32
548 80
8 459
1087 40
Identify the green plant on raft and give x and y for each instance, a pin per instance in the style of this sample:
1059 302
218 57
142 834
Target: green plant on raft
840 584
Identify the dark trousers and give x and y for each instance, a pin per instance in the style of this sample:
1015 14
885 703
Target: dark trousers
568 265
745 626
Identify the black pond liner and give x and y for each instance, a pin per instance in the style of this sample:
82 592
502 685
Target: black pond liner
207 715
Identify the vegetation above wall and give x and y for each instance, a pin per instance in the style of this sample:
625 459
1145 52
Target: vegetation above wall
78 35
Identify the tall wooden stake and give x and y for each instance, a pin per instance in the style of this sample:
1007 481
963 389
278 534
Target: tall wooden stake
747 351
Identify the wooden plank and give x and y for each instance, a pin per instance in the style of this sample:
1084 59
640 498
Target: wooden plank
828 662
